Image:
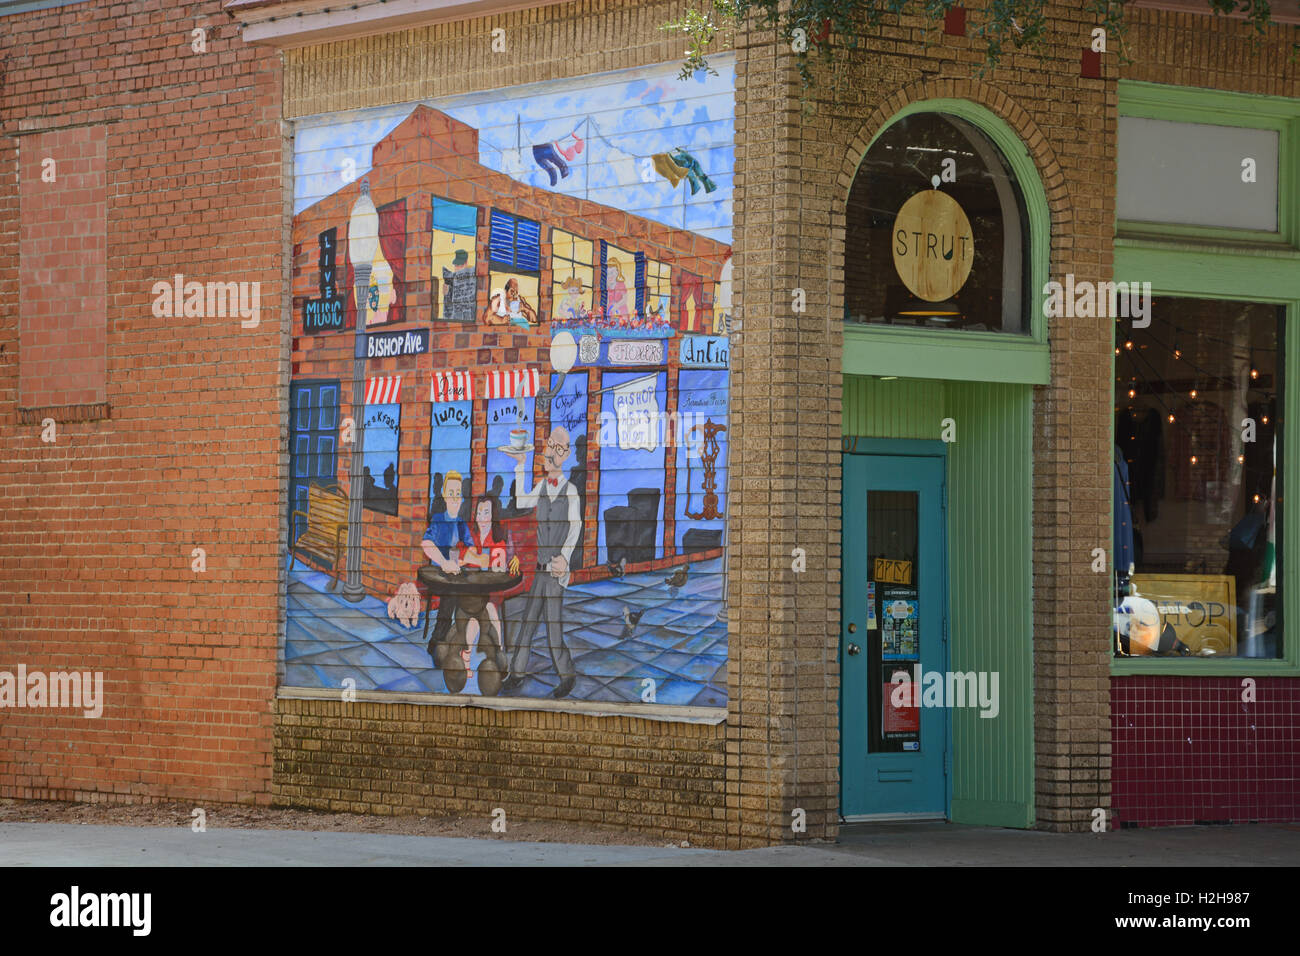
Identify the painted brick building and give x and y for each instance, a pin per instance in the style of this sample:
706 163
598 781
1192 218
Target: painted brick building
975 433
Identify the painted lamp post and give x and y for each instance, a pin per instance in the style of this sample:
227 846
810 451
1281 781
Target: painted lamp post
363 243
564 353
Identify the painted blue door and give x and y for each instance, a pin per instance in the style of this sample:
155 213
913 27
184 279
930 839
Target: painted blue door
313 440
893 751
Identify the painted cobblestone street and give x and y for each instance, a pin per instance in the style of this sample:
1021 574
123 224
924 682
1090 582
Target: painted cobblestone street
681 646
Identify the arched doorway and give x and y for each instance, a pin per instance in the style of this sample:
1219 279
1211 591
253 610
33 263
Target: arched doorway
945 241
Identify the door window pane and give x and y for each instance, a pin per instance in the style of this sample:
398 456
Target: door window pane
1197 540
893 621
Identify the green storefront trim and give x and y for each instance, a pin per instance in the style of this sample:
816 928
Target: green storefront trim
1238 265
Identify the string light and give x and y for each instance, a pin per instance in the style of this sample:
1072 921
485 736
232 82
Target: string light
1192 393
1193 459
1265 419
1171 418
1257 499
1132 393
1129 345
1241 459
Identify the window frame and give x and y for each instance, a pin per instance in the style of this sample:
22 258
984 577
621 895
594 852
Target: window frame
1200 262
1216 108
960 355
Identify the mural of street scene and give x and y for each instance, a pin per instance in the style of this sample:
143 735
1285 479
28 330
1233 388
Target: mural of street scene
509 395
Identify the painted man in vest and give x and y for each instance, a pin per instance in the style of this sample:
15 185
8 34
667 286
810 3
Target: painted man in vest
559 527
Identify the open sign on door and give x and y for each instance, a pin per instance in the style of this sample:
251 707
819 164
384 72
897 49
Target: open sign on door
893 571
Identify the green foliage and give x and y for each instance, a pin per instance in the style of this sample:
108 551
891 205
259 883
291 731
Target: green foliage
1015 23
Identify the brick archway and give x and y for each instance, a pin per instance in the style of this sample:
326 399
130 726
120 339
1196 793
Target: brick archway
995 101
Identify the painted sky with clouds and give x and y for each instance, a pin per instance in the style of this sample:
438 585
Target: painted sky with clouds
623 119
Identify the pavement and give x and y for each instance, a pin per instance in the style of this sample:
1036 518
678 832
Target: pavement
904 844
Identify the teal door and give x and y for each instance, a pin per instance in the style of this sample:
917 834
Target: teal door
894 751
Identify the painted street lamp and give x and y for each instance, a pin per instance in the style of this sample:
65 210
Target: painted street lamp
564 353
363 243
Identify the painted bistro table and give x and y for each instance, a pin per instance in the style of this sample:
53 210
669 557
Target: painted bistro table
462 597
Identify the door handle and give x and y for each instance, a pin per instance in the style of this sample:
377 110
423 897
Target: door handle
853 649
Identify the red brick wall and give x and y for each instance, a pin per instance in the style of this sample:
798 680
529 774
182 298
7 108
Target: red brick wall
97 528
62 254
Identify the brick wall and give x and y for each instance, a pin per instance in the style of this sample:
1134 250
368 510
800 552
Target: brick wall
405 758
98 526
62 245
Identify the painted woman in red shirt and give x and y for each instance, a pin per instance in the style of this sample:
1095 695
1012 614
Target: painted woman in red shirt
489 552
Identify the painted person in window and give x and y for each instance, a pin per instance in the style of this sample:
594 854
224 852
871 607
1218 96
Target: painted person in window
559 526
509 305
446 531
571 308
489 552
458 289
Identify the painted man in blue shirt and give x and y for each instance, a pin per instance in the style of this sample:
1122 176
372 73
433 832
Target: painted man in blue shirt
446 530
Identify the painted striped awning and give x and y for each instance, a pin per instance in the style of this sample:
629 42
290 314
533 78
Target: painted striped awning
452 387
384 391
512 383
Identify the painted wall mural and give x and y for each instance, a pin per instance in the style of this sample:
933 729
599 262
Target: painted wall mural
509 400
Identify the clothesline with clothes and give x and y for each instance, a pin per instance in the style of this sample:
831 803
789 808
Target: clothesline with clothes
557 157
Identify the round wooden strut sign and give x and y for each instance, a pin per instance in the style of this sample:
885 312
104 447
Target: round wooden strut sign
933 245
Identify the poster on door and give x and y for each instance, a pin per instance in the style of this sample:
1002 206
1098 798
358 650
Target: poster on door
899 624
901 713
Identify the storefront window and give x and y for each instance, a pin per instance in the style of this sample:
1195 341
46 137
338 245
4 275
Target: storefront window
936 231
1197 541
380 468
450 448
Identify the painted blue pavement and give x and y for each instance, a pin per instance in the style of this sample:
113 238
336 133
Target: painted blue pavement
678 642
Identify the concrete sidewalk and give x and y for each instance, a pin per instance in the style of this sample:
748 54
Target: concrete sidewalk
912 844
